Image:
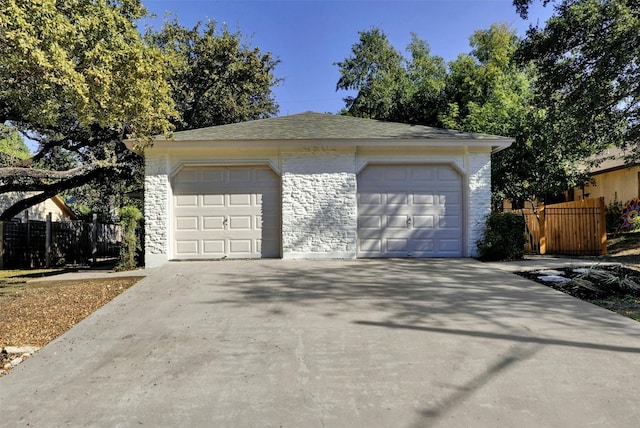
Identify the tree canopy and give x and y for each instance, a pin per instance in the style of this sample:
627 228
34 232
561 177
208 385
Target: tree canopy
588 60
12 145
78 78
390 86
486 90
80 60
215 76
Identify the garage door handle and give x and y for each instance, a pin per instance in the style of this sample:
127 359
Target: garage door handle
408 221
225 221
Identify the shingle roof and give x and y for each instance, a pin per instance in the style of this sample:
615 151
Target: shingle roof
611 159
321 126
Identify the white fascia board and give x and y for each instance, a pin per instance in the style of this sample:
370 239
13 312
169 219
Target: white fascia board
494 144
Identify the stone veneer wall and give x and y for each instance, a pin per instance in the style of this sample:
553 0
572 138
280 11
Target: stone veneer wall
156 208
479 173
319 204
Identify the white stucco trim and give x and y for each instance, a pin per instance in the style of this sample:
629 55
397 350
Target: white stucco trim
225 162
411 161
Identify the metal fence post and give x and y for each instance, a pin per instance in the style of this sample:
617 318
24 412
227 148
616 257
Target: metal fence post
94 239
29 258
1 244
47 243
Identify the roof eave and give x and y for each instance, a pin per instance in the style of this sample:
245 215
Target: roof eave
496 144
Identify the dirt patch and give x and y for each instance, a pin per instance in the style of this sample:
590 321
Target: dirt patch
623 248
33 314
615 287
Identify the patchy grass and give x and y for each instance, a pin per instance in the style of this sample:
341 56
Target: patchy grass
24 275
12 281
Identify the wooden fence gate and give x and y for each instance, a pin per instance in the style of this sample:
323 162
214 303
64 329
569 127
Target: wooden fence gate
572 228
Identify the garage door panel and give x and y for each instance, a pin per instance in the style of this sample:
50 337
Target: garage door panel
428 196
264 177
187 200
397 246
396 174
240 223
240 200
370 245
369 198
449 198
187 223
187 247
213 200
213 222
448 245
370 222
423 174
449 222
240 175
396 199
422 246
212 176
447 175
236 212
397 222
420 199
424 221
240 246
187 176
213 248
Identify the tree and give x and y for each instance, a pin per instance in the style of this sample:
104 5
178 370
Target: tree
427 82
487 91
389 86
484 91
215 77
76 76
588 59
491 92
12 145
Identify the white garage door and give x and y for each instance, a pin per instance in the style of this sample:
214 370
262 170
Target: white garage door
409 211
221 212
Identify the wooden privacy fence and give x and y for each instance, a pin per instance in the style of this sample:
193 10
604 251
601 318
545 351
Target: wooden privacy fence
35 244
572 228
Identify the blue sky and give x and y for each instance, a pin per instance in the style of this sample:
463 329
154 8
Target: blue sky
309 36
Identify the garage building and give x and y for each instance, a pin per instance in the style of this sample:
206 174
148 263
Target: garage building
316 185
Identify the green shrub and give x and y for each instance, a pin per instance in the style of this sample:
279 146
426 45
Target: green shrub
504 237
614 216
129 218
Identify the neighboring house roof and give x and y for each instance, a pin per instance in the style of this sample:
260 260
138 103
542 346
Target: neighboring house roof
611 159
39 211
60 203
311 126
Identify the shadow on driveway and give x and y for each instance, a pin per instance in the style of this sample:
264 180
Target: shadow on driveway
406 343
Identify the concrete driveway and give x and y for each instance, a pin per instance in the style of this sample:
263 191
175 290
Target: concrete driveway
367 343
